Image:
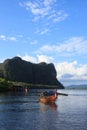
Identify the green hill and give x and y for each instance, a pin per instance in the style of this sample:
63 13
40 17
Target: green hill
18 70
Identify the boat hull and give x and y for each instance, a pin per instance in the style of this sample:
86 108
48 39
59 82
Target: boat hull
48 99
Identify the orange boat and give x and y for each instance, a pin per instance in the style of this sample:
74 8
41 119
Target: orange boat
48 99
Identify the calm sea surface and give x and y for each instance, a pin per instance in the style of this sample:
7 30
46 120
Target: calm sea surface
23 111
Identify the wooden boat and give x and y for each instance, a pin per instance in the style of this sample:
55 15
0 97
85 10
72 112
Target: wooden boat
48 99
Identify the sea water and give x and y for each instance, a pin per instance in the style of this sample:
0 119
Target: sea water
23 111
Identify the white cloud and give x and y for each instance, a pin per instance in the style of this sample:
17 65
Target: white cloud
44 58
45 9
42 32
5 38
67 72
71 73
28 58
48 2
72 46
2 37
12 38
46 13
36 8
37 59
2 60
60 17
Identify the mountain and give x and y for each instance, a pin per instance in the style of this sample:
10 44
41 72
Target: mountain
19 70
80 86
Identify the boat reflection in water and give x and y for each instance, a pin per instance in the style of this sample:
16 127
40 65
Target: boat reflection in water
48 106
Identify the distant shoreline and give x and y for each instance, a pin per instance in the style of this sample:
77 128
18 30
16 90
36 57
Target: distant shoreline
77 88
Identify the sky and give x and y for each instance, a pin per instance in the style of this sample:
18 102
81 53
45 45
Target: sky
51 31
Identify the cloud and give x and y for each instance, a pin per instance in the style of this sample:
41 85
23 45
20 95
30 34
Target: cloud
2 37
2 60
28 58
39 9
65 67
71 72
42 32
71 47
45 14
44 58
45 9
12 38
48 2
59 16
37 59
5 38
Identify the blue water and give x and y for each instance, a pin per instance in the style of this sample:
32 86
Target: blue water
23 111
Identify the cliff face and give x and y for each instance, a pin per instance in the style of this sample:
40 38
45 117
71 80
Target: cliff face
16 69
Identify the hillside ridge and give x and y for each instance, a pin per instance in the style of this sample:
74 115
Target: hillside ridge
19 70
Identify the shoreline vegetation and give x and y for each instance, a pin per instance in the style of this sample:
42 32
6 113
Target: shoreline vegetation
6 85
